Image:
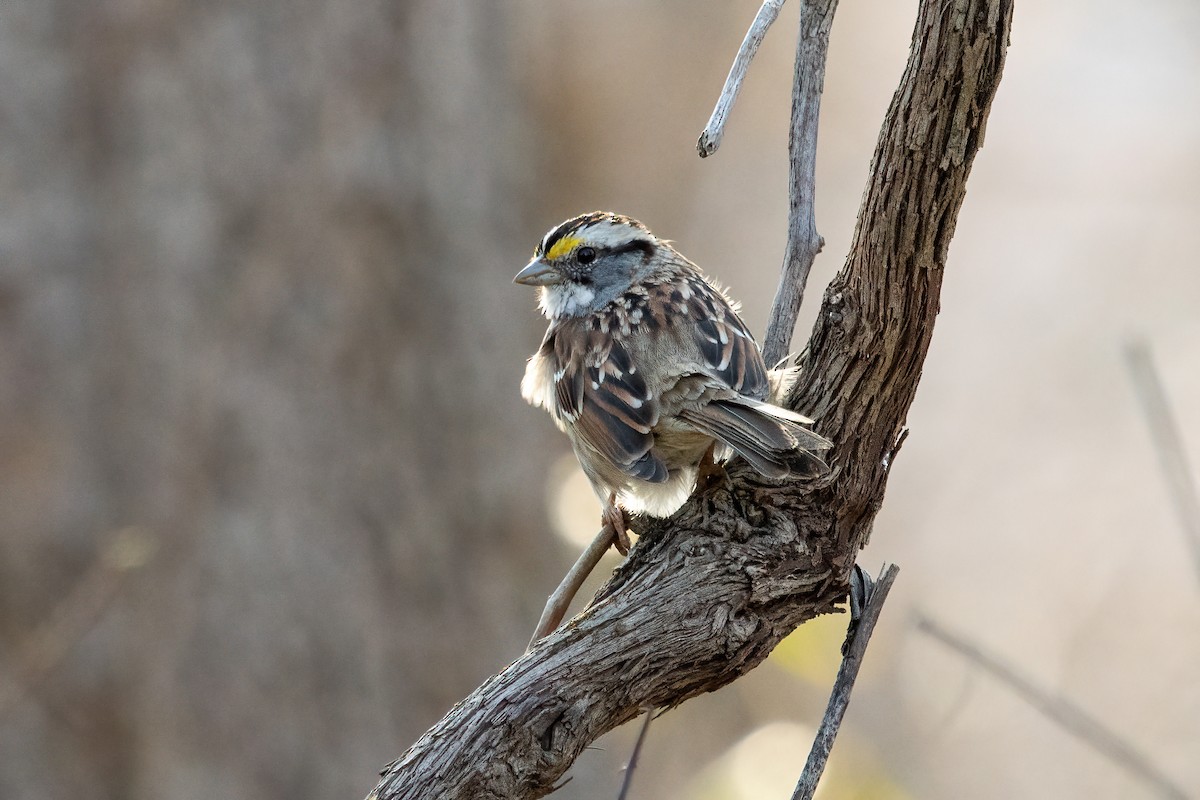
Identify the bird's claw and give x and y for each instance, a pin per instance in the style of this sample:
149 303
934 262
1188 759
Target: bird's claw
616 520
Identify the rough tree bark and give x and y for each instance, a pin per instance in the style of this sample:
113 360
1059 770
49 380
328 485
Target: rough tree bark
707 594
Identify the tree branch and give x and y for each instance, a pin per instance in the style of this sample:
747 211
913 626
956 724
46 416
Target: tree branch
560 600
51 642
631 767
1068 716
714 131
839 699
1168 443
707 594
803 242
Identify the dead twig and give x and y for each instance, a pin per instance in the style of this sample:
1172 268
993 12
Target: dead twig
872 597
1058 710
714 131
560 599
637 752
51 642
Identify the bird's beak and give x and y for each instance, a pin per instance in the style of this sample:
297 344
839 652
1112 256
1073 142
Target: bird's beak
538 273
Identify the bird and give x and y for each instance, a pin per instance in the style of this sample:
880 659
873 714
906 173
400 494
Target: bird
647 367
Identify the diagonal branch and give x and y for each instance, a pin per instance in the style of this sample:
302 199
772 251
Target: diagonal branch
853 653
714 131
51 643
1168 443
1070 717
706 595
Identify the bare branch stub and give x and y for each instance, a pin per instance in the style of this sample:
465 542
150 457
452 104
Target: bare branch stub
634 758
707 594
714 131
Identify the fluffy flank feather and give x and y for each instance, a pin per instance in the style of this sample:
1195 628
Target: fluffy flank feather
537 387
781 380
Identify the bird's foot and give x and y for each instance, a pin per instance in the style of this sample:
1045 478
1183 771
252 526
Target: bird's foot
614 518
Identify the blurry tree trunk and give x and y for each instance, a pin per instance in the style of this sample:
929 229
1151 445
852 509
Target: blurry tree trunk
706 595
252 290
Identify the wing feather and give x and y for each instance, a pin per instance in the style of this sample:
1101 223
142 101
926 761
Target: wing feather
726 344
599 391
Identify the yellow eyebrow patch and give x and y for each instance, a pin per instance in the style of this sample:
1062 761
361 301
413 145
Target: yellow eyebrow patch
563 246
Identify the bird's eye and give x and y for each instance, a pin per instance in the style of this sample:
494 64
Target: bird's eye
585 255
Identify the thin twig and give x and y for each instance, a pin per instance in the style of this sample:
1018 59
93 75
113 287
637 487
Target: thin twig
1059 710
1168 442
560 600
803 242
714 131
637 752
839 698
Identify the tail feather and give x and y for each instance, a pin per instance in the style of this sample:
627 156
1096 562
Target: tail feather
806 439
771 439
746 442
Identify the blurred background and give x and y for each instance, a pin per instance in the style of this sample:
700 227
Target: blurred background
270 502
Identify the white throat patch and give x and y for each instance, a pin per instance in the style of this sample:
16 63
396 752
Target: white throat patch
567 299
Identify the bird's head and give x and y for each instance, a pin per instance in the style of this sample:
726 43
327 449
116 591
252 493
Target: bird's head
588 261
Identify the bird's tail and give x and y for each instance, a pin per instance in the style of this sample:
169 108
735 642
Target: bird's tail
772 439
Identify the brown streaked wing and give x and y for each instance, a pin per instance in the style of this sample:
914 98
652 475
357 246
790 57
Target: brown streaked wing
597 389
725 343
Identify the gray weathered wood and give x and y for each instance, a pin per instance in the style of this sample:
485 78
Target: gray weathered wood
803 242
705 596
714 131
853 653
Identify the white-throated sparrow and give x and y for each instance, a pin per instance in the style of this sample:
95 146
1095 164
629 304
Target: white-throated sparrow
646 364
